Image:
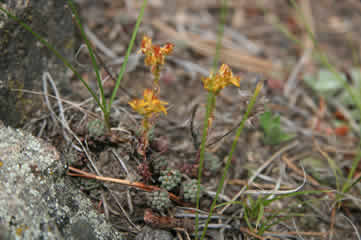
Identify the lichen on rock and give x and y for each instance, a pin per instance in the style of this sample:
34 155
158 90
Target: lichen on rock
37 199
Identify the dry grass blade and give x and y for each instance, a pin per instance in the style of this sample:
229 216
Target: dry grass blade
312 234
307 54
259 170
279 192
298 171
72 104
354 227
228 55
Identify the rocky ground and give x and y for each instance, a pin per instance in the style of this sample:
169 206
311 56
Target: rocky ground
264 41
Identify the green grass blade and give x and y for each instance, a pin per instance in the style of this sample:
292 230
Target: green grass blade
211 102
90 49
55 52
122 70
230 155
260 215
245 214
268 201
349 182
288 34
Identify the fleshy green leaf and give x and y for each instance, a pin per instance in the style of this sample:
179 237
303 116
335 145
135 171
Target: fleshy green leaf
273 133
325 81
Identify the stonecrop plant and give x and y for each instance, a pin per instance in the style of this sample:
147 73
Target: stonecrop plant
150 106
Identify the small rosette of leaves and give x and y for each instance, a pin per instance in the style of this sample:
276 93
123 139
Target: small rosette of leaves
159 200
170 179
190 190
96 128
212 162
159 165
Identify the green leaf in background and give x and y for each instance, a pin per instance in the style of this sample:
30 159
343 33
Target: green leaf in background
325 82
273 133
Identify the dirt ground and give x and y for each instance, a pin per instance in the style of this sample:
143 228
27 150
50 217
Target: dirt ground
257 48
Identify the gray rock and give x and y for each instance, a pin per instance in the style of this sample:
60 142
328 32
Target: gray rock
148 233
23 59
37 199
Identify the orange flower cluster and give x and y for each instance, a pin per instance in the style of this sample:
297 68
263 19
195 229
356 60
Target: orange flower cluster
224 77
149 105
155 54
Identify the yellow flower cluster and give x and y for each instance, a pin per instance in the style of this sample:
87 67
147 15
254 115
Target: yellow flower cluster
224 77
149 105
155 54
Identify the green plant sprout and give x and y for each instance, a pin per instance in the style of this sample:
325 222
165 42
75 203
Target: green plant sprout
104 105
254 210
273 133
190 189
159 200
254 214
170 178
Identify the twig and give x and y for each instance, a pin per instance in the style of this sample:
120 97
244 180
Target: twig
47 77
220 196
122 164
105 204
142 186
72 104
259 170
315 234
256 185
242 229
332 224
292 166
354 227
167 222
257 192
